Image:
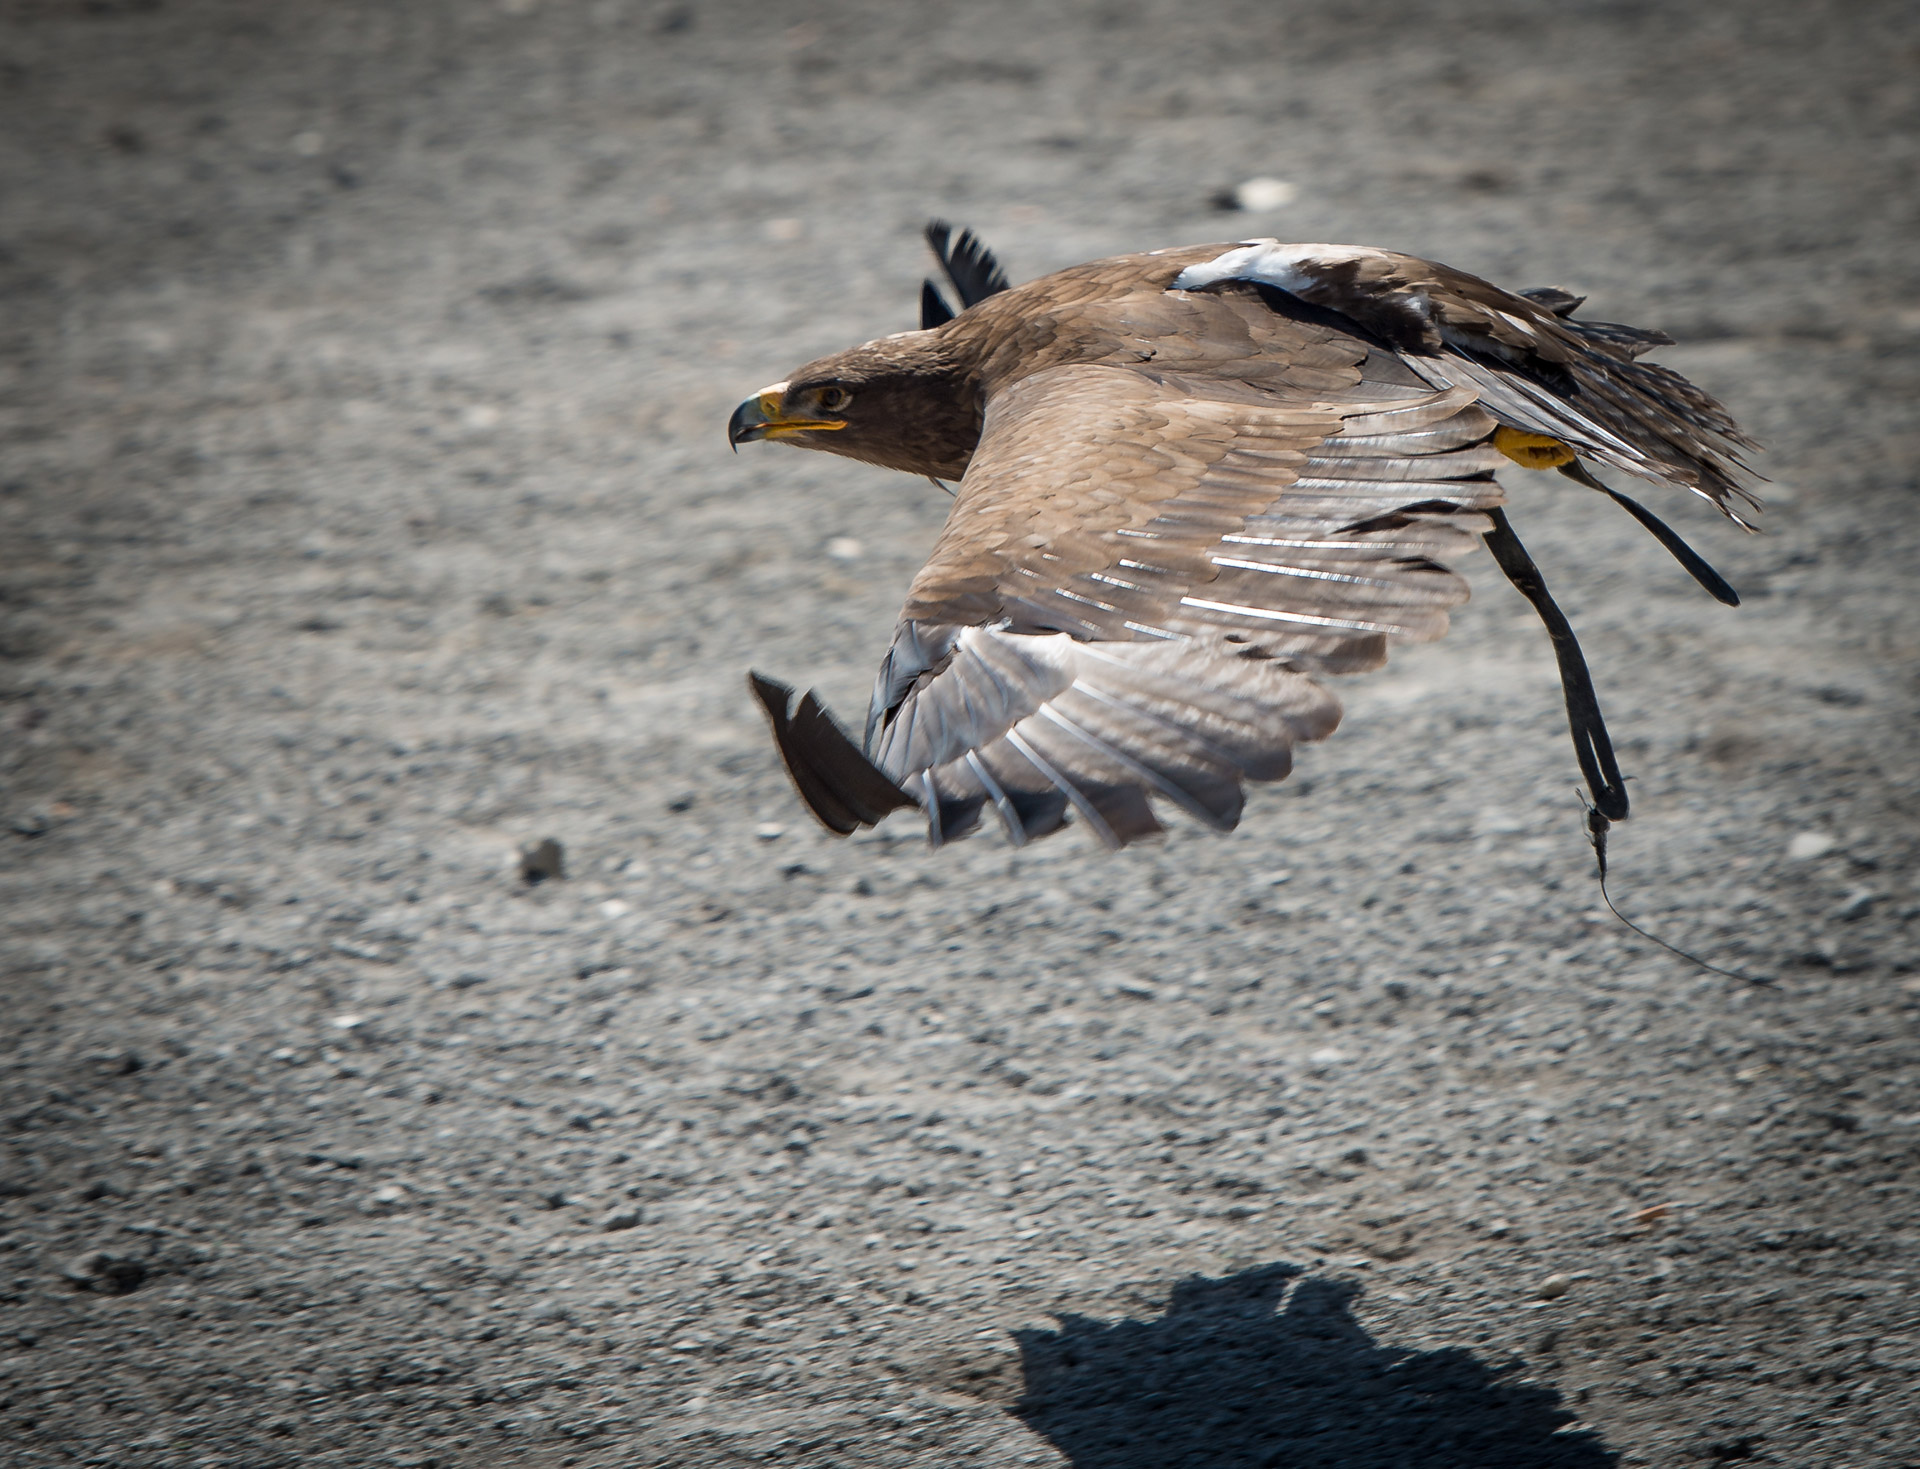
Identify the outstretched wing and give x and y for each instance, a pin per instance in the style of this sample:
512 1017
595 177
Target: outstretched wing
1140 574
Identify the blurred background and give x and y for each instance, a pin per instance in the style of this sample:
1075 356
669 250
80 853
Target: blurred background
366 519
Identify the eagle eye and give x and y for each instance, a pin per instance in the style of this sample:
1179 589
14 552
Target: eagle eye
834 399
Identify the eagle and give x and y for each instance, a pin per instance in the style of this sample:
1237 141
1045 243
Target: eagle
1189 486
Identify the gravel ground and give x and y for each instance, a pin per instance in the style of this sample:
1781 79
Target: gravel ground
363 376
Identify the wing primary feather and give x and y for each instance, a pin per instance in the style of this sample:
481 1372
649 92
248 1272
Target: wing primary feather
968 263
1094 820
1004 808
1696 565
1193 738
1172 790
936 826
1591 745
842 788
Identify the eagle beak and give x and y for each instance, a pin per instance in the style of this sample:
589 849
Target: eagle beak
759 418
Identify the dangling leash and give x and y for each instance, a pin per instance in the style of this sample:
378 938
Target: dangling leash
1592 746
1597 827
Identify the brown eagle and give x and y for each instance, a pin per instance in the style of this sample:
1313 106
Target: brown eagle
1190 484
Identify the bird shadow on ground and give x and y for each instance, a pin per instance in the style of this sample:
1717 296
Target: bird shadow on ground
1224 1380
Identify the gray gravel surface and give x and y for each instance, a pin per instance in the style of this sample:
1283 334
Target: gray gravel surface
368 520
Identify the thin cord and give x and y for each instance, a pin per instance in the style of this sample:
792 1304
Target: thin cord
1597 826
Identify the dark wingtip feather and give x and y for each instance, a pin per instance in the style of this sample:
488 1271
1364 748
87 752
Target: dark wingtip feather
839 784
968 263
934 310
1559 301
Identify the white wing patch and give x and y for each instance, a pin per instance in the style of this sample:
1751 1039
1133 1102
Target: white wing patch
1290 267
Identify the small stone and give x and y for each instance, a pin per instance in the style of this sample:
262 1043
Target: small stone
1810 844
621 1219
615 908
347 1022
1258 196
1554 1287
769 831
1857 904
845 548
1327 1056
309 144
786 230
106 1274
543 859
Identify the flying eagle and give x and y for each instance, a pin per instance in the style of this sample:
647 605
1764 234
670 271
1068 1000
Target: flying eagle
1192 483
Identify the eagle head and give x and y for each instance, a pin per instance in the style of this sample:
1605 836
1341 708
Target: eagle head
902 402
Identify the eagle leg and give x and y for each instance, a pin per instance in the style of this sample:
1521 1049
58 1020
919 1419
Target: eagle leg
1591 744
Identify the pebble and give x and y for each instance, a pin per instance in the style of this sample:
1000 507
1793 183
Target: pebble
1810 844
1258 196
845 548
543 859
1857 904
106 1274
1554 1287
621 1219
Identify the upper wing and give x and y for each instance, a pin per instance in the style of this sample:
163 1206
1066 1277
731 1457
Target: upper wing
1139 573
1533 367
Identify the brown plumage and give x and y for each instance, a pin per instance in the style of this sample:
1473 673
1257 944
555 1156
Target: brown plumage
1191 483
